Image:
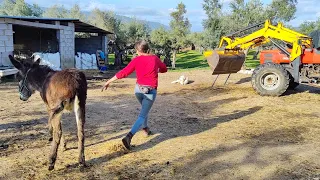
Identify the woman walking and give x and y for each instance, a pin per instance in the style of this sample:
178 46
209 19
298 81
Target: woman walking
147 67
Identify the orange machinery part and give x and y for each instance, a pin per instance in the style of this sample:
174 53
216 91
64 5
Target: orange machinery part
310 56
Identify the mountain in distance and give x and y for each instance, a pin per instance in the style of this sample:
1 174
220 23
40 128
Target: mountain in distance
125 19
152 25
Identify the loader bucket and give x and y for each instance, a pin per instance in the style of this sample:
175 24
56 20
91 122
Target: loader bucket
224 62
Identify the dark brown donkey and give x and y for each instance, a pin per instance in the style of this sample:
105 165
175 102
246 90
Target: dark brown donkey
60 90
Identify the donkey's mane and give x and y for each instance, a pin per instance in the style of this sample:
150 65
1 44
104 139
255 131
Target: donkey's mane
45 68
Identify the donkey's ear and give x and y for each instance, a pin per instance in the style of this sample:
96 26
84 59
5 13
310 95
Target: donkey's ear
37 62
15 63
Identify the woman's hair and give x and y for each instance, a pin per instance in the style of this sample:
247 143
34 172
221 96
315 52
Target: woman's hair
142 46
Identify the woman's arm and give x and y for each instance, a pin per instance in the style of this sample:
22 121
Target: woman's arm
125 72
121 74
105 87
162 66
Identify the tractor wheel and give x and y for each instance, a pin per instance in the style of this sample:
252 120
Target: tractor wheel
270 79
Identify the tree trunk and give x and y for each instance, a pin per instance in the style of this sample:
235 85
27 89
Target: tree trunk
174 59
118 53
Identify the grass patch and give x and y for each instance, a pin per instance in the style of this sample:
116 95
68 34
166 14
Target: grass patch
194 60
190 60
111 59
251 62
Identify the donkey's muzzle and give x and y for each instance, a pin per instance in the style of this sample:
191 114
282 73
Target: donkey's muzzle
23 98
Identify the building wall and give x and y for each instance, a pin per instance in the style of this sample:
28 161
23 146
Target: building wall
92 44
6 43
88 45
65 36
67 46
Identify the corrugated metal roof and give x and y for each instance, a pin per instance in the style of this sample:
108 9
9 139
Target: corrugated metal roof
39 18
79 25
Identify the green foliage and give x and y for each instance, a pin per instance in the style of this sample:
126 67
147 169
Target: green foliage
160 38
76 13
307 27
134 31
243 13
59 11
105 20
180 27
198 39
19 8
281 10
213 25
56 11
36 10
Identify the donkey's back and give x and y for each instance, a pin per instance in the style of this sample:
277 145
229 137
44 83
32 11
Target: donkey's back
64 87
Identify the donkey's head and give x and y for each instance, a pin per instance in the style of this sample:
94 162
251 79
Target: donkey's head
26 89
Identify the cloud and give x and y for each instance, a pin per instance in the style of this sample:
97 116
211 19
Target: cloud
93 4
161 15
307 10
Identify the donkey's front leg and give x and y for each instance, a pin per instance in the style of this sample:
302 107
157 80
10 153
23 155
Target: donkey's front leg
64 142
57 132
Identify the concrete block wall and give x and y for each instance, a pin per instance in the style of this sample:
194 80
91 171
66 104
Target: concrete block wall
67 46
6 43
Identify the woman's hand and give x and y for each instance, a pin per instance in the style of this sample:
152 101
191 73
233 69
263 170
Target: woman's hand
105 87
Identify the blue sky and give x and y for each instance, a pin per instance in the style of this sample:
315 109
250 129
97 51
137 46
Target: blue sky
159 10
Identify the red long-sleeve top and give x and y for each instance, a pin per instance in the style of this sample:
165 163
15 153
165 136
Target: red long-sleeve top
146 67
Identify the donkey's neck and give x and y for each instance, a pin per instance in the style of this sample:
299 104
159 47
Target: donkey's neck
39 76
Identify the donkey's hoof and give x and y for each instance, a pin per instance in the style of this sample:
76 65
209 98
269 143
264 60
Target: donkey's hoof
51 167
82 167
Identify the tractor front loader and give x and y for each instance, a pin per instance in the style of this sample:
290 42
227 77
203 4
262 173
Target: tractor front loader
279 69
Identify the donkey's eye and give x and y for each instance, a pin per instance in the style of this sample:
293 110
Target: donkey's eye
19 77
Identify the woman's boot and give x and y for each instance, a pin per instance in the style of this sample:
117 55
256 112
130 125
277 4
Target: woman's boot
127 140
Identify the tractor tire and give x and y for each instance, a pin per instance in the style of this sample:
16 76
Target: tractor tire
292 84
270 79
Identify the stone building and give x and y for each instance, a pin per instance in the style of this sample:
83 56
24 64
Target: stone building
26 35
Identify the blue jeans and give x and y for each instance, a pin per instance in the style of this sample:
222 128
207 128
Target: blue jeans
146 101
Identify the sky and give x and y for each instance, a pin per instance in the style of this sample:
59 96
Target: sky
159 10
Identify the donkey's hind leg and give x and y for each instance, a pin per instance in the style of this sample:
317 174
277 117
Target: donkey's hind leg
57 132
63 140
79 109
52 113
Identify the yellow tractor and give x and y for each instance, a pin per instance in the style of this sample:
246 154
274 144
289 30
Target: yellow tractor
279 69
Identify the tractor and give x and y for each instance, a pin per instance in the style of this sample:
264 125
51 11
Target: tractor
295 59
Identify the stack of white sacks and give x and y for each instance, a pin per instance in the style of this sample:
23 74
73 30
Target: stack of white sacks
86 61
83 60
50 59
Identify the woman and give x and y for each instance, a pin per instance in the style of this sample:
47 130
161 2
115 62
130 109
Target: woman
147 67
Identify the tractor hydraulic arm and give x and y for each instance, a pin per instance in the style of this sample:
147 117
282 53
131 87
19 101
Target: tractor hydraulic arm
265 35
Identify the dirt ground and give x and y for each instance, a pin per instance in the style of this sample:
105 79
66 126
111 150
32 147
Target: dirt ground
224 132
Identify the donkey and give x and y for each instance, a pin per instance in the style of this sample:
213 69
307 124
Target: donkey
60 90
